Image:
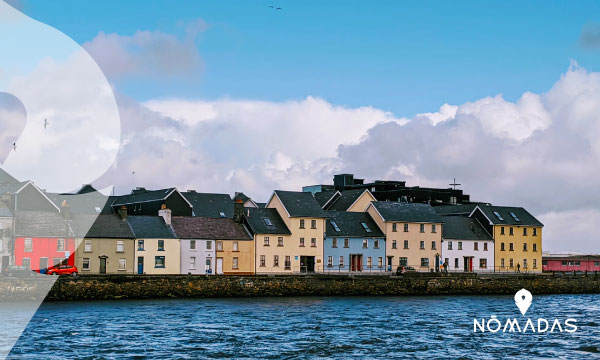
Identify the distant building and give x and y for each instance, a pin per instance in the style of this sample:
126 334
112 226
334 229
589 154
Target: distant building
570 262
6 236
466 245
209 204
148 202
197 242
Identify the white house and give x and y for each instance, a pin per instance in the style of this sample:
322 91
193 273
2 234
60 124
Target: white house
466 245
197 252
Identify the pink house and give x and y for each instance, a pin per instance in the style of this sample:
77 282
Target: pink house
570 262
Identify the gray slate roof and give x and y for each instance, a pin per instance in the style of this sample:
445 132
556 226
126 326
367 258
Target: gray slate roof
347 198
407 212
210 205
324 196
41 224
507 219
463 228
463 209
300 204
150 227
142 196
188 227
350 225
255 218
6 177
85 203
102 226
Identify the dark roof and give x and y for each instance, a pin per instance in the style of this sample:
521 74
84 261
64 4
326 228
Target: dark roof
41 224
87 188
300 204
347 198
350 224
464 228
6 177
255 218
11 187
102 226
139 196
407 212
261 205
86 203
463 209
324 196
210 205
187 227
150 227
524 217
241 196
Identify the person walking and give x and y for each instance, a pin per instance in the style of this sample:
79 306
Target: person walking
518 267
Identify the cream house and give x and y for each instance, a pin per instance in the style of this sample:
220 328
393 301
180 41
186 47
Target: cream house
273 245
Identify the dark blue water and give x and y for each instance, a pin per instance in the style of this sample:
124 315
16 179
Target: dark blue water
289 328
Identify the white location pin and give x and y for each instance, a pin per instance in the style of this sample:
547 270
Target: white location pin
523 300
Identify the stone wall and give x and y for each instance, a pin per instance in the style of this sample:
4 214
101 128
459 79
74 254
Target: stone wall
182 286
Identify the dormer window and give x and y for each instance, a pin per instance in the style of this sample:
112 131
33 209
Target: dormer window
366 227
498 216
335 226
268 222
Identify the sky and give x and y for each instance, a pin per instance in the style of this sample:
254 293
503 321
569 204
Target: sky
237 96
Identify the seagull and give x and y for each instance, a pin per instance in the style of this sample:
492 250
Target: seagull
278 8
133 173
15 146
46 123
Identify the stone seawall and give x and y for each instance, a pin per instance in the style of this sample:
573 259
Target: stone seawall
184 286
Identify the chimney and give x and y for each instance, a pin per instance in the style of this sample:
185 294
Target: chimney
65 210
238 211
123 212
165 213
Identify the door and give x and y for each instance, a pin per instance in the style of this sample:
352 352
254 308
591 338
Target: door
355 262
437 263
307 264
219 266
5 262
102 265
43 265
389 263
140 265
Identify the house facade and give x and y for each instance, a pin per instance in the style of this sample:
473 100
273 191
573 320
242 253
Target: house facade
466 245
305 219
570 262
353 243
197 245
413 234
157 250
517 237
273 246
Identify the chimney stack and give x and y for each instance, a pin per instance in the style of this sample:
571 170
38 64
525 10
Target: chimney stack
123 212
238 211
165 213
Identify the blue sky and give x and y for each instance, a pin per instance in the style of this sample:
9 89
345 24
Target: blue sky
403 57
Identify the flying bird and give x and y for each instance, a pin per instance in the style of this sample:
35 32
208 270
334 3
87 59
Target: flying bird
46 123
15 146
278 8
133 173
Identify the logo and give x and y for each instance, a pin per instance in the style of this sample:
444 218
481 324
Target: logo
523 300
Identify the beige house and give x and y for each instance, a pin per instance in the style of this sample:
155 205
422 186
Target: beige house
305 219
273 245
413 234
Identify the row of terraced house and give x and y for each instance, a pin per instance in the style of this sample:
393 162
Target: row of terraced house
337 229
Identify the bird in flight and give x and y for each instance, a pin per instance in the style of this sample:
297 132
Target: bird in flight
46 123
279 8
15 146
133 173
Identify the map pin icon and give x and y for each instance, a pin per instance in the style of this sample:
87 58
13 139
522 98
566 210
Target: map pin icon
523 300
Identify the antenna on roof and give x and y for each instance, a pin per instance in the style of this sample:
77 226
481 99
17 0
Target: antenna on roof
454 184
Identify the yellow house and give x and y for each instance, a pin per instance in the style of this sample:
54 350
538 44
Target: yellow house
517 237
273 245
354 200
157 250
305 219
413 234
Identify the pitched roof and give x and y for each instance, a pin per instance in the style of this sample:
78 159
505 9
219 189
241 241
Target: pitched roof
139 196
41 224
345 200
6 177
300 204
261 205
324 196
102 226
259 218
350 224
210 205
12 187
463 209
188 227
464 228
85 203
150 227
503 215
407 212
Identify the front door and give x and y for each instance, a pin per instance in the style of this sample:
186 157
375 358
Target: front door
140 265
307 264
219 266
102 265
437 263
389 263
43 265
355 262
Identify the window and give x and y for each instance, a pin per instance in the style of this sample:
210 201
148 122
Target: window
525 247
27 263
234 264
313 242
192 262
501 263
403 261
161 245
376 243
341 261
209 245
485 246
268 222
535 263
159 261
406 244
524 231
534 247
60 244
302 242
369 262
219 246
524 263
301 223
511 247
476 246
433 230
120 247
502 230
460 245
366 227
122 264
85 264
394 245
236 246
288 263
346 243
449 245
405 227
433 246
498 216
313 224
394 227
514 216
501 246
456 263
380 262
335 226
334 242
511 263
422 228
534 232
28 245
208 265
483 263
446 262
596 263
365 243
424 262
280 241
330 261
87 247
192 245
422 245
544 262
266 241
276 260
263 261
563 263
141 245
511 231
